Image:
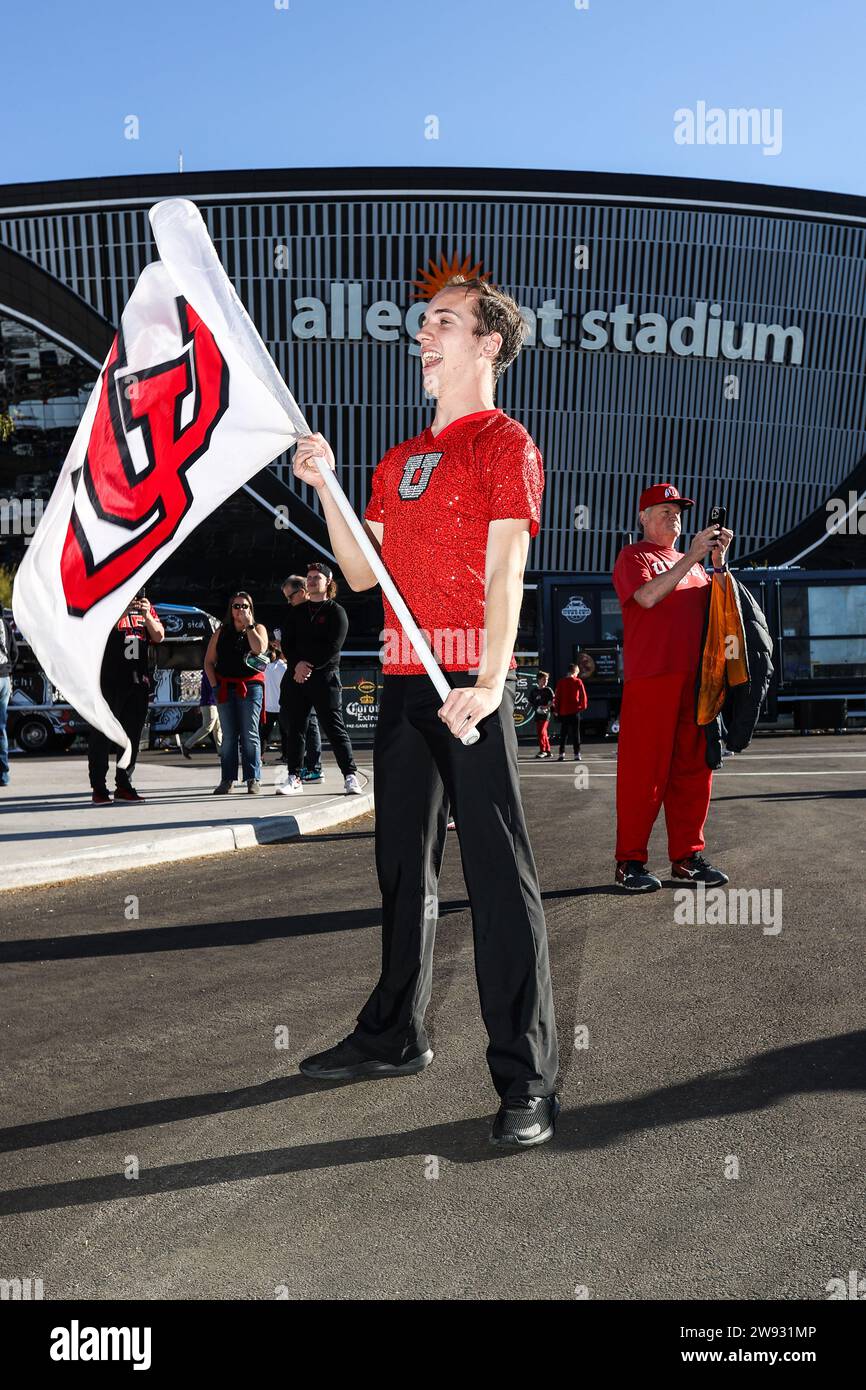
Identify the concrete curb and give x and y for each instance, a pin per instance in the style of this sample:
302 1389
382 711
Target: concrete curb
171 847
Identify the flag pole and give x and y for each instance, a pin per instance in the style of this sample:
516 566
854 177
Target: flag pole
389 588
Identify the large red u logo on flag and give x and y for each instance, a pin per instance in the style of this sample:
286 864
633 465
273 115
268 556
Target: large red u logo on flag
126 509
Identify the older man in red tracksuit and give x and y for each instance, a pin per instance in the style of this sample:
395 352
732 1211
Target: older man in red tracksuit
569 700
662 749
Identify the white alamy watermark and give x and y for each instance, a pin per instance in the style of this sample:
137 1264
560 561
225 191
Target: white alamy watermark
77 1343
451 646
852 1287
19 516
18 1290
740 125
701 906
846 515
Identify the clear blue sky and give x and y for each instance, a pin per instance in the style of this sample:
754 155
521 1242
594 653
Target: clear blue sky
525 83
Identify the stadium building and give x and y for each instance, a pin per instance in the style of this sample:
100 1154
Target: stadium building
709 333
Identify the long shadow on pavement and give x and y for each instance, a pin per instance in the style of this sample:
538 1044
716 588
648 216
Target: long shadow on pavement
203 936
824 1064
188 938
850 794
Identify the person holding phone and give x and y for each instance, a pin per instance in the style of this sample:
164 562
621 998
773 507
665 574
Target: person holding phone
234 664
662 749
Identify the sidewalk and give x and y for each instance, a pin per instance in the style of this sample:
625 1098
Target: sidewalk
51 832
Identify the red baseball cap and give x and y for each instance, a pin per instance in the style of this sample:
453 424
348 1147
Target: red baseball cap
662 492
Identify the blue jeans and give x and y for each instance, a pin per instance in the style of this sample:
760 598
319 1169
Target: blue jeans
5 692
240 719
313 745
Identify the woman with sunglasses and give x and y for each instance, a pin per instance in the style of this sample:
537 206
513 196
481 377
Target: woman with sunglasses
235 664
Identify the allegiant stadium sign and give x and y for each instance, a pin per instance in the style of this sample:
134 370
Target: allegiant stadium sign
705 332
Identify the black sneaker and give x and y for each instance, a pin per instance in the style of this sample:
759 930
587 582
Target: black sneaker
695 869
632 875
345 1062
522 1123
126 792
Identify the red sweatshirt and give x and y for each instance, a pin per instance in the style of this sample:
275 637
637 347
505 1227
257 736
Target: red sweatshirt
570 696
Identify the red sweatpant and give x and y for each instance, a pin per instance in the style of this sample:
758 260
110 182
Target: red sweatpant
541 728
661 759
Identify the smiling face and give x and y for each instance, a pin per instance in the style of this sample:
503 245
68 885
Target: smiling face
662 523
453 359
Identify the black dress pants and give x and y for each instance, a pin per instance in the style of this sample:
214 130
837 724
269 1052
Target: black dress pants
323 692
419 768
129 707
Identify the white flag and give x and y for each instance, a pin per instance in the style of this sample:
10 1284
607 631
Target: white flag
188 407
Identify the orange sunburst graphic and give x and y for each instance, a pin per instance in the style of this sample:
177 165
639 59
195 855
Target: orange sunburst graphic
436 278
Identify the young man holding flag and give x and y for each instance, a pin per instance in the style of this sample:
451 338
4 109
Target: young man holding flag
452 511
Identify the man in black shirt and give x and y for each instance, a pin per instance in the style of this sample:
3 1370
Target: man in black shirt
126 687
295 594
312 647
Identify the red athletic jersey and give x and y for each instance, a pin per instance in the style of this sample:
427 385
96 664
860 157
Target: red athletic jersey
667 638
436 496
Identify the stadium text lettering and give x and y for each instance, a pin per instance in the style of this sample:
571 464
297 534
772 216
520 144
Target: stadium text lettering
703 333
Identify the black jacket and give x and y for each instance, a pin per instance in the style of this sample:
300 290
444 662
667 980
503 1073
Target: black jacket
736 723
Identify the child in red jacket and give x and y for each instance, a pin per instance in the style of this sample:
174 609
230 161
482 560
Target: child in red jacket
568 700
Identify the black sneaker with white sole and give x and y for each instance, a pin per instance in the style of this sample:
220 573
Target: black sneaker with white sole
632 876
695 869
346 1062
522 1123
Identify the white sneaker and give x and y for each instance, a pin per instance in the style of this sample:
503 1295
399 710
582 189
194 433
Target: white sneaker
352 785
290 787
282 776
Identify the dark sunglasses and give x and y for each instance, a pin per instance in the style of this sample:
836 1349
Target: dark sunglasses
240 605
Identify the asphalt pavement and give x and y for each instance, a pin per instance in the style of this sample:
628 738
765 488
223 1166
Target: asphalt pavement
158 1142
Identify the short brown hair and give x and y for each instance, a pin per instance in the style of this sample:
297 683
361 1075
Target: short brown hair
495 312
544 673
